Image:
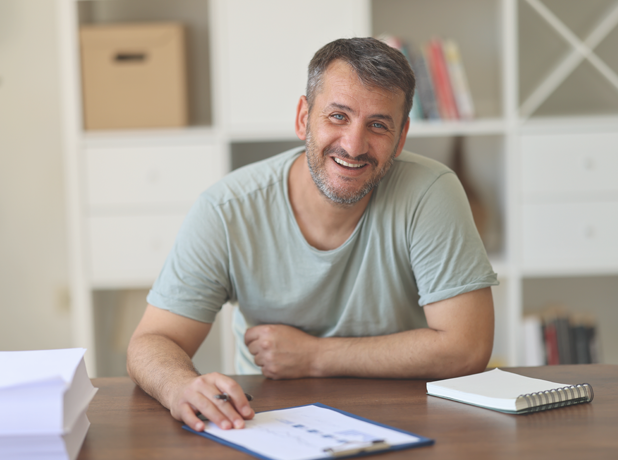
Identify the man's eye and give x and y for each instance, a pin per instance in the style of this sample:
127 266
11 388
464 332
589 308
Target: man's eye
378 125
338 116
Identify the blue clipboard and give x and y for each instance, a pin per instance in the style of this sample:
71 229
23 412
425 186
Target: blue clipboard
422 441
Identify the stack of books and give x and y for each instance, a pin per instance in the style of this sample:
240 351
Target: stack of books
44 396
559 337
442 90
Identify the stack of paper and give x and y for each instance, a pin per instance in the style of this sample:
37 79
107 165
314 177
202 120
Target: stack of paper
44 396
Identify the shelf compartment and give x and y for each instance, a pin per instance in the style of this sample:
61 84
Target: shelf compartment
575 60
473 24
193 13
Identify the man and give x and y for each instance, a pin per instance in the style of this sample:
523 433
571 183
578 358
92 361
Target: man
330 251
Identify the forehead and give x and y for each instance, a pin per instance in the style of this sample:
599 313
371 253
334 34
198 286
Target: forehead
341 84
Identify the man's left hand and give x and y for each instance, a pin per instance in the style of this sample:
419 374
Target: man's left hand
283 352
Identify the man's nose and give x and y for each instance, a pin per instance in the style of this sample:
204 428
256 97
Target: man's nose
355 140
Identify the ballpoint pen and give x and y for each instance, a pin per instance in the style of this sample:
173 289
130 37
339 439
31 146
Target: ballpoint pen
355 448
226 397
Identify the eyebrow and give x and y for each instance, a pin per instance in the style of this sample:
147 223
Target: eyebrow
379 116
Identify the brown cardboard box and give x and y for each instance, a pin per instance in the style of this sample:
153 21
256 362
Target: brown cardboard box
134 75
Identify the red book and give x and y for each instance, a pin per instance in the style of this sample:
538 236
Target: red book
551 344
441 80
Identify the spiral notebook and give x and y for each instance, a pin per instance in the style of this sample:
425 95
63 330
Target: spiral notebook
511 393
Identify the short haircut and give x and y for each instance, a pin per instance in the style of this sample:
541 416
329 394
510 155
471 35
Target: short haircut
377 65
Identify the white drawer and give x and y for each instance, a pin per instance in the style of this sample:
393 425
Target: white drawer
569 163
151 175
570 237
130 250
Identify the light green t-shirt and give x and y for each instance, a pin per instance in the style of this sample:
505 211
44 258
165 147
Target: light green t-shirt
415 244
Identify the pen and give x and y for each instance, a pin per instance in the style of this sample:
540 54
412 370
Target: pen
226 397
355 448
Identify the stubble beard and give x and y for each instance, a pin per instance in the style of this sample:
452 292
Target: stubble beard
338 194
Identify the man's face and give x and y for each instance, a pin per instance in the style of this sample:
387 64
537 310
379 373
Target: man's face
353 134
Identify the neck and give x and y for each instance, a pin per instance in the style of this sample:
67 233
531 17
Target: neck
325 224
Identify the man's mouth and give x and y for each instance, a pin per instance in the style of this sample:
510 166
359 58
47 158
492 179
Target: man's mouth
348 165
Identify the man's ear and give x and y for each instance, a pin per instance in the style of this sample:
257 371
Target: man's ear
403 137
302 115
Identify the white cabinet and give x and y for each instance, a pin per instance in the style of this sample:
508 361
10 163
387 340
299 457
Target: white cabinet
556 166
542 151
151 175
570 201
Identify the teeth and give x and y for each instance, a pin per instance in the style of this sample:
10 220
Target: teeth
349 165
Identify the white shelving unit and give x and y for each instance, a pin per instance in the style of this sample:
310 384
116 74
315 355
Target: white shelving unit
542 149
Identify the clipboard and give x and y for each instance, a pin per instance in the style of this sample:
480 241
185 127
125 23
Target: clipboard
343 441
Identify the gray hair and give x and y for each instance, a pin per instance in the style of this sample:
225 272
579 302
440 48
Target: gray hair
376 64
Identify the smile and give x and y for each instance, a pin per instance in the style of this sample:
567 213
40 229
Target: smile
349 165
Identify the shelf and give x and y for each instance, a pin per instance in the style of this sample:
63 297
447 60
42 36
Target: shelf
559 272
155 137
569 124
245 78
489 126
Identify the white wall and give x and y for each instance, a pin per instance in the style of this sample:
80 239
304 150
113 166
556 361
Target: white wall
33 261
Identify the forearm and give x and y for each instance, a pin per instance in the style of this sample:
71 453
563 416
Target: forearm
420 353
159 366
458 341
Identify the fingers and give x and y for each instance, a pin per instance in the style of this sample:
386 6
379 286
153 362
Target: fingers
199 396
252 334
237 399
187 415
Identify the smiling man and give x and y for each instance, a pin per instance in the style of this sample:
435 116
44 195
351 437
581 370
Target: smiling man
348 257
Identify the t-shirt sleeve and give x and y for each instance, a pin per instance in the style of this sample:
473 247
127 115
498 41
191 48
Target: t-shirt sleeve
194 281
446 252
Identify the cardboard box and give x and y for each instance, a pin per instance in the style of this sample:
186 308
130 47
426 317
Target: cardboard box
134 75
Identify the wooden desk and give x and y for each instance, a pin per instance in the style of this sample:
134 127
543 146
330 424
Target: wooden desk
128 424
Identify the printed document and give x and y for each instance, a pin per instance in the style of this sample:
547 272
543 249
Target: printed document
302 433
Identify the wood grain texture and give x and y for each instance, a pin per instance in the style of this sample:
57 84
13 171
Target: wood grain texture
128 424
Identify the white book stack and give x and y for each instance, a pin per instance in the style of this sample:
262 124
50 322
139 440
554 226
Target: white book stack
44 396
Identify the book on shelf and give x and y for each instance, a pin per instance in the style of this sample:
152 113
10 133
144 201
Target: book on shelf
442 89
509 392
534 341
434 55
424 86
458 79
416 113
560 337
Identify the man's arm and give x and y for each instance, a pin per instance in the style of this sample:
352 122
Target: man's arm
159 361
458 341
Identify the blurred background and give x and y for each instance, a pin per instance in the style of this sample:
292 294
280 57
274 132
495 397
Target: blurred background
116 114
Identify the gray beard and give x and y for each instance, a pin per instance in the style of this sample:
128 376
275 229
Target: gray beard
338 195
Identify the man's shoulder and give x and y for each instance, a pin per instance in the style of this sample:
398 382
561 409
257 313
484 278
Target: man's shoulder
413 171
411 163
253 178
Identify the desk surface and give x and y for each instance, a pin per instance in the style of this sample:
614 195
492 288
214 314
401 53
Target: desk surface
127 423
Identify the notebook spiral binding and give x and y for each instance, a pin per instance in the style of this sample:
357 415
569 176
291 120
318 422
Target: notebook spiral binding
558 397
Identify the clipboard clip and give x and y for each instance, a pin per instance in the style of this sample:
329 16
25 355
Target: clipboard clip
356 447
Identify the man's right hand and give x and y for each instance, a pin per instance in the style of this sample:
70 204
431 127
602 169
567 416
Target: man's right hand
159 361
198 396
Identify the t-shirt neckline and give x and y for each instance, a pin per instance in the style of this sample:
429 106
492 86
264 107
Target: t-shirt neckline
329 252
